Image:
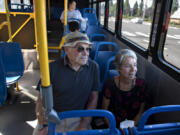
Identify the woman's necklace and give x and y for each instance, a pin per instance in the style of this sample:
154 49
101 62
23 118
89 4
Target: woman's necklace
129 86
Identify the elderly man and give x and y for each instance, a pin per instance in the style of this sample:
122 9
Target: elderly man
75 82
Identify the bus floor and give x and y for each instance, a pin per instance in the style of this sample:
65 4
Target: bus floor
19 118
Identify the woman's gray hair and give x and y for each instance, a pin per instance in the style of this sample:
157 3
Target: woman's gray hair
122 55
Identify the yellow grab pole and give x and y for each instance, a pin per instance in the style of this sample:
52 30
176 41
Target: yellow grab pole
65 12
65 15
49 10
34 16
40 13
8 20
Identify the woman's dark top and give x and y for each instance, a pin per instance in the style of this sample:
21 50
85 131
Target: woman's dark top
125 104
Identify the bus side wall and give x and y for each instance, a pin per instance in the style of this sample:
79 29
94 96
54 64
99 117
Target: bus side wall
163 89
26 37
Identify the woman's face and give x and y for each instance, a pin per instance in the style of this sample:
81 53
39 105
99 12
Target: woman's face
128 68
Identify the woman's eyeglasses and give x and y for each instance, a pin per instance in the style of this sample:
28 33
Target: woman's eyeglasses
81 49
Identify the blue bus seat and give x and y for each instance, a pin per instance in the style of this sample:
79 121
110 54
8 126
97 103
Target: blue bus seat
112 73
86 113
106 46
90 13
94 30
13 61
157 129
111 70
3 87
97 37
102 58
56 12
93 50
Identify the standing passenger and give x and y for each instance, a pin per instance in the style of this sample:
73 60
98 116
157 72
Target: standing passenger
75 83
125 95
73 13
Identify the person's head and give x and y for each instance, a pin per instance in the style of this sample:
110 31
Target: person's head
73 26
77 47
72 4
126 63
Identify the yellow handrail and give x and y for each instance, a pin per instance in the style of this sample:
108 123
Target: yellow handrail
40 13
3 24
8 20
18 30
17 13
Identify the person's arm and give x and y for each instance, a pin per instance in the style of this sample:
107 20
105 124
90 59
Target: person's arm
138 116
40 115
105 105
92 103
62 17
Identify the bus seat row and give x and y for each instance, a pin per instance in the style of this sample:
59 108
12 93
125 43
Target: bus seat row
97 37
12 65
141 129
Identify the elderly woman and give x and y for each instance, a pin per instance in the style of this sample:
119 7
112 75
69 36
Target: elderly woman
125 95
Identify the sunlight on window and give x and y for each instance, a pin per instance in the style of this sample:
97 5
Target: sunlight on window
102 13
137 20
172 43
112 15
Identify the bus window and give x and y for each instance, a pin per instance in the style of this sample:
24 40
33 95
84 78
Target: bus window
94 6
15 2
26 2
2 6
112 15
172 44
137 19
101 12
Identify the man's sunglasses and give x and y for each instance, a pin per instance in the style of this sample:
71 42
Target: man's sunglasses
81 49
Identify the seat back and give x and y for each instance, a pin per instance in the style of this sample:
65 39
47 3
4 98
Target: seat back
106 46
111 70
56 13
86 113
3 88
102 58
90 13
97 37
157 129
112 73
13 61
91 29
